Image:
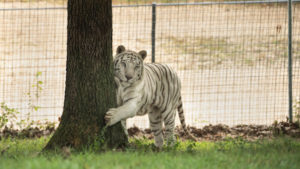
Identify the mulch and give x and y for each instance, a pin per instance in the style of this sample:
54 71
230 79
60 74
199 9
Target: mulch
221 131
207 133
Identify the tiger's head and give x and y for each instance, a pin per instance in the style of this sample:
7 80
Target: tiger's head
128 65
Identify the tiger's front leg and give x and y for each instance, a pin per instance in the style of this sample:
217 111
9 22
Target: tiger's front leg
114 115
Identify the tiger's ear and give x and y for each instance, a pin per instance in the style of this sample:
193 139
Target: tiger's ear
143 54
120 49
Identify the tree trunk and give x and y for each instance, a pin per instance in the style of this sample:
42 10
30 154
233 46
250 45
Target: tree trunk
90 88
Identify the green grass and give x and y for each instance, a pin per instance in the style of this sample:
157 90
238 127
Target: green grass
214 51
231 153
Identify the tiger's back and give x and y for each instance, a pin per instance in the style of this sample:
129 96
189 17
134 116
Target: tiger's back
161 89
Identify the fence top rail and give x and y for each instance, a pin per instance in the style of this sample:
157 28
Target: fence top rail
166 4
210 3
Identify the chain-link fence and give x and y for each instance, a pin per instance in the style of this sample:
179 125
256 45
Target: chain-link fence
232 56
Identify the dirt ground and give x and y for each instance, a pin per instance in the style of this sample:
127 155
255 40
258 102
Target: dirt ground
232 59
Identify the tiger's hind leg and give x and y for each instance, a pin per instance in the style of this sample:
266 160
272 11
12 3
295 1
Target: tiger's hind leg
169 121
156 128
123 122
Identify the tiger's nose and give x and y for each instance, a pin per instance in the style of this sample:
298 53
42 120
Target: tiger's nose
128 77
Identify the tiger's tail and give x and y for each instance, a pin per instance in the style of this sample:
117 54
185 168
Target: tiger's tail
182 121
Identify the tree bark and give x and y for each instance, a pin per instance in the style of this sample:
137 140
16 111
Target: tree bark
90 88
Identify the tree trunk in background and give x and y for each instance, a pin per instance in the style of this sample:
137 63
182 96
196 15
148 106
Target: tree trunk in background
90 88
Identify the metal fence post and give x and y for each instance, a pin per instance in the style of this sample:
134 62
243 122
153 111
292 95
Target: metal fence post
153 30
290 52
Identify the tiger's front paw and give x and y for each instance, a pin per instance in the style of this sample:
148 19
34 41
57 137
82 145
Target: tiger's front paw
111 117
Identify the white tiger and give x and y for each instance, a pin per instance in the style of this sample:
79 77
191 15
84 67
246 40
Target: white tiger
146 88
